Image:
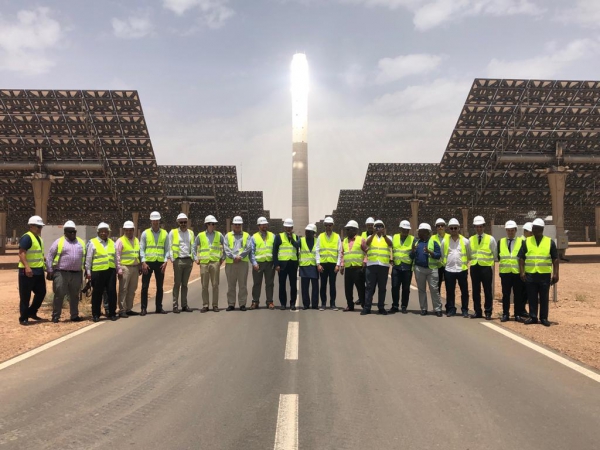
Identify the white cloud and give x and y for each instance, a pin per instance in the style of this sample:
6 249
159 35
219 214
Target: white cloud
213 13
549 65
393 69
583 12
24 41
132 28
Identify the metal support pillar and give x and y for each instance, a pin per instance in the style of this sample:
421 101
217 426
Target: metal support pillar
556 181
465 222
41 195
185 208
414 217
2 232
228 225
135 217
597 224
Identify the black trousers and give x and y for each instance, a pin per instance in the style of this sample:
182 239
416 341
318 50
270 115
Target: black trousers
511 282
441 275
538 294
377 276
27 285
482 275
310 292
451 278
153 268
353 277
104 281
289 270
328 274
400 279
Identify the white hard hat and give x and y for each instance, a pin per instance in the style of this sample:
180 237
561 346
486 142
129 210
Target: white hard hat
36 220
439 221
352 224
478 220
453 222
528 226
379 222
262 221
405 224
103 225
181 216
328 219
128 225
539 223
69 224
425 226
510 224
288 223
154 215
370 220
311 227
237 220
210 219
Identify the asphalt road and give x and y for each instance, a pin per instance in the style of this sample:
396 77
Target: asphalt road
213 381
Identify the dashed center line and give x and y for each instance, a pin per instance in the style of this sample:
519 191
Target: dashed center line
291 344
286 435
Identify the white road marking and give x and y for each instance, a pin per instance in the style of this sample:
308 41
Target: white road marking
51 344
564 361
286 435
291 343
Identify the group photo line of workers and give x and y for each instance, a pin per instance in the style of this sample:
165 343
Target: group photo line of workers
528 266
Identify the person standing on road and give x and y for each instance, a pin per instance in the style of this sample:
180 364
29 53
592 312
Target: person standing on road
457 255
508 251
181 254
538 268
402 244
127 252
378 249
328 256
441 237
285 260
483 252
154 249
237 249
208 248
100 268
309 275
525 302
351 265
426 254
261 258
65 262
369 223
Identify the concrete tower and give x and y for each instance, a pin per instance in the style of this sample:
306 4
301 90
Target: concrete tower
299 142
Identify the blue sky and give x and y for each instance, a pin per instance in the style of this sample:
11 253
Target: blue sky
388 77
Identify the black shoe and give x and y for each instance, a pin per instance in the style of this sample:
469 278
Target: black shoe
76 319
524 315
465 314
144 312
204 310
35 317
133 313
242 308
349 308
476 316
545 322
123 315
423 312
451 314
113 317
304 308
531 321
186 309
176 310
365 311
55 320
504 318
404 311
282 307
383 312
393 310
358 302
488 316
95 318
230 308
23 322
216 309
439 314
158 311
293 308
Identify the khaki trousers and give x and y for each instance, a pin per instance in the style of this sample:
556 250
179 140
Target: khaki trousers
210 273
182 269
128 284
237 274
63 284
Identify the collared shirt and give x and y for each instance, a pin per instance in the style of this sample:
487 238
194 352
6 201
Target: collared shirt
421 257
70 258
351 243
237 246
210 237
493 245
185 246
253 245
365 248
118 251
91 250
510 243
143 244
318 249
454 261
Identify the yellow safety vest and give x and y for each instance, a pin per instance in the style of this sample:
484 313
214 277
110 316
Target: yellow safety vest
209 253
354 257
509 262
480 253
328 247
401 251
263 249
104 258
35 254
378 251
175 243
231 240
155 251
537 258
432 263
287 252
446 239
463 253
307 257
59 249
130 255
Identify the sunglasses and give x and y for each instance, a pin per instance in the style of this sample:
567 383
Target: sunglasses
70 231
213 224
182 223
453 228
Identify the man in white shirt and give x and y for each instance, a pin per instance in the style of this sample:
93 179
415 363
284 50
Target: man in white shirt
457 255
181 255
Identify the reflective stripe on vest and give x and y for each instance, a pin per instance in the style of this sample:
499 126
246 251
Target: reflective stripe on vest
35 254
463 253
175 243
307 257
155 251
328 247
130 255
480 253
537 258
354 257
263 249
104 258
59 249
287 252
401 251
378 251
509 262
209 253
231 241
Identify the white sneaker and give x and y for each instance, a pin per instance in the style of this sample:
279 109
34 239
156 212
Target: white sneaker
321 308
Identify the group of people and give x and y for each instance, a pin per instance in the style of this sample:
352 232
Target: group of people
528 265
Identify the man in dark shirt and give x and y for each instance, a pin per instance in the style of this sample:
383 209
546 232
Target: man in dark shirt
31 271
285 261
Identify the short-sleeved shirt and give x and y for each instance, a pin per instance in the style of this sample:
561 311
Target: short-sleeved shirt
25 243
539 276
